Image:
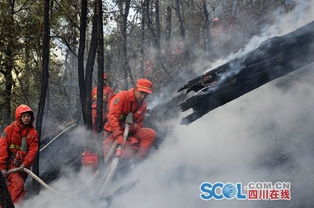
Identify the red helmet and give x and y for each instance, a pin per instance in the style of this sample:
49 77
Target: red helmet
23 109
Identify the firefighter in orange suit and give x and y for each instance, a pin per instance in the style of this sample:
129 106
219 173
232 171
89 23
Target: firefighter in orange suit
140 138
18 149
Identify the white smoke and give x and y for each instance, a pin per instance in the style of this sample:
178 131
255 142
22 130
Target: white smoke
265 135
302 14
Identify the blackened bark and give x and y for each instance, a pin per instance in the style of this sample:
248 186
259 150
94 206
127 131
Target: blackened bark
90 68
44 86
274 58
124 13
80 62
100 61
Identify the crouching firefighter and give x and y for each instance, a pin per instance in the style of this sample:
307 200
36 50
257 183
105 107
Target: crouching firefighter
18 149
140 139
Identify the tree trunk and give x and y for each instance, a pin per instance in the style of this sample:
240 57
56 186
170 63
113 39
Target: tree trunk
9 55
206 27
124 12
25 88
8 88
157 19
168 29
150 23
180 18
90 68
44 86
100 61
143 38
156 37
5 198
80 61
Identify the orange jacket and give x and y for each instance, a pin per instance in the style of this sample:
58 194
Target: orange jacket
11 141
107 93
119 106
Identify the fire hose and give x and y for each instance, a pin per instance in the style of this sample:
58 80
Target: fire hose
118 151
114 163
41 182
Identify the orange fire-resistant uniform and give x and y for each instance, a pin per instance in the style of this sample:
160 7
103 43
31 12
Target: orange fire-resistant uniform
140 139
107 93
18 146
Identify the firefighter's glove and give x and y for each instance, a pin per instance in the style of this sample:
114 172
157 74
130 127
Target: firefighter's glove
21 168
117 133
134 127
4 173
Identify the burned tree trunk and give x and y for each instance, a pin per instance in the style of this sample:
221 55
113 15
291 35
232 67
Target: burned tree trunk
44 86
90 68
124 7
100 61
272 59
80 61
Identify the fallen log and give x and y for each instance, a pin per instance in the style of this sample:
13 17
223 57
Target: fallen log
274 58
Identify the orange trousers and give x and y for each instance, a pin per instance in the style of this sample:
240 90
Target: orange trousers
137 144
16 182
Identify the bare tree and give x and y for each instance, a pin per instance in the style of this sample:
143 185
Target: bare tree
155 32
44 86
124 7
100 61
90 66
81 52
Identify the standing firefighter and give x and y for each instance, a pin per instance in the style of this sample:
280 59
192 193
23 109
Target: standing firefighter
130 101
107 93
18 149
